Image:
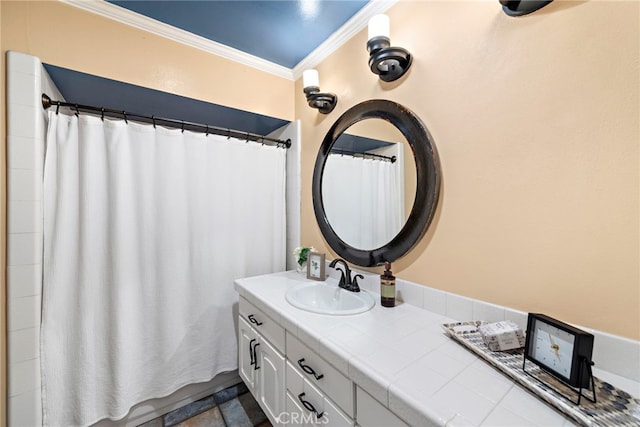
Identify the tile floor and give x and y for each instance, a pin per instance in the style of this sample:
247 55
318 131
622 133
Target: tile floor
232 407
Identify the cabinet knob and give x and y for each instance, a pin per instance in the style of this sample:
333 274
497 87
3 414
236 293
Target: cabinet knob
309 406
309 370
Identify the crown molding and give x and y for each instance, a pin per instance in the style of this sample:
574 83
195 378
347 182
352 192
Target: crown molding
350 28
141 22
133 19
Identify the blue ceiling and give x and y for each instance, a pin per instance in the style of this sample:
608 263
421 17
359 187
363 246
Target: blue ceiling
280 31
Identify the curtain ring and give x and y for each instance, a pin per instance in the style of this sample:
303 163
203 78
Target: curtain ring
228 133
77 113
153 118
57 108
207 134
102 114
182 125
124 114
247 137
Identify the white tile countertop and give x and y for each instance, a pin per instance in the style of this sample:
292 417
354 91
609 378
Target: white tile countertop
402 357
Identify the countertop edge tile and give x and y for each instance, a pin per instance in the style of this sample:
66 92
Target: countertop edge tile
414 412
374 383
336 356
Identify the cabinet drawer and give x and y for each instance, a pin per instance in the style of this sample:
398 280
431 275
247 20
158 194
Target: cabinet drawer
309 405
262 323
372 413
321 374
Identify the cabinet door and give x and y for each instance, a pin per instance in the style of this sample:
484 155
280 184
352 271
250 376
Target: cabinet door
247 340
270 370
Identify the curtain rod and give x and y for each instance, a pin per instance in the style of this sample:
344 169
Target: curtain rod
180 124
364 155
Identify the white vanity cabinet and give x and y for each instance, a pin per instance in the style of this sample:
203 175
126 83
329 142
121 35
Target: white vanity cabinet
293 384
261 364
299 388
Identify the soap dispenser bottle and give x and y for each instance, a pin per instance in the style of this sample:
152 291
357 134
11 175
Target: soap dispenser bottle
387 287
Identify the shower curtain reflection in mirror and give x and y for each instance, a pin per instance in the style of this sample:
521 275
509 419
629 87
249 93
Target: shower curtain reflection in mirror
145 230
364 198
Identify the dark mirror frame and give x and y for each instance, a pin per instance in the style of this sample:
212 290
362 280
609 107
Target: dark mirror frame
428 174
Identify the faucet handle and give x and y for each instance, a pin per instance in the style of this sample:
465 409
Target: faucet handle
354 282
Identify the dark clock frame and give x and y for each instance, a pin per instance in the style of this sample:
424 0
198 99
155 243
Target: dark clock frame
582 351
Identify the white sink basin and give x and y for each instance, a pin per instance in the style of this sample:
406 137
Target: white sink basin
327 298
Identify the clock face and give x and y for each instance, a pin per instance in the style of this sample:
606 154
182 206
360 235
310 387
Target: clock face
553 347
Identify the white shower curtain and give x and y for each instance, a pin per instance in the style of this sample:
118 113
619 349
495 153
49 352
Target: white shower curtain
145 230
363 199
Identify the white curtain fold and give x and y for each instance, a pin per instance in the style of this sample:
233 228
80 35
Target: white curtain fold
144 232
363 200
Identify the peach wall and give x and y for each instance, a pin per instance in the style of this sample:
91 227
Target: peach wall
536 122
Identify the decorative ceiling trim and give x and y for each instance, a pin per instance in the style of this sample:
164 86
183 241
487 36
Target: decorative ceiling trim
359 21
136 20
133 19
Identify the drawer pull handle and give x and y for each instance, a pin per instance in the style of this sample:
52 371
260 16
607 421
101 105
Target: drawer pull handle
309 406
255 357
309 370
254 321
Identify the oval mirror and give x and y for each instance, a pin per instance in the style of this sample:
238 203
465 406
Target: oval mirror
376 183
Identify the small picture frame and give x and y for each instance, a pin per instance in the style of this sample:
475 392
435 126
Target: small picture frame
315 266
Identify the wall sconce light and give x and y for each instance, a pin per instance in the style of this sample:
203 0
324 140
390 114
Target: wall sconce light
389 63
324 102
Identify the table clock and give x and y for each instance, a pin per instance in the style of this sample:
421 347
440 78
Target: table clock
561 350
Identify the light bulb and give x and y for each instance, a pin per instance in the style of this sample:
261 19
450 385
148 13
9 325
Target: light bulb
310 78
379 26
